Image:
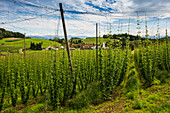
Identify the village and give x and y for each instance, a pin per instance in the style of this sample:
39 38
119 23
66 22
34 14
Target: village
73 47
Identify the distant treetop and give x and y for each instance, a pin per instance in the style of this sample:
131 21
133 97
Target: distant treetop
6 34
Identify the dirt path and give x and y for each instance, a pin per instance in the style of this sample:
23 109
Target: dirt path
13 38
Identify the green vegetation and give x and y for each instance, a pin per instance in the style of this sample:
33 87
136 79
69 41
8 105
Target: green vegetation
153 61
92 95
13 45
91 40
34 78
122 81
5 34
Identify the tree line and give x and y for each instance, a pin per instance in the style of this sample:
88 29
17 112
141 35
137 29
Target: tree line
5 34
125 35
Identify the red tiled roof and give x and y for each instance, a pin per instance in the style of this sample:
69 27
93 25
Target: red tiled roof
87 46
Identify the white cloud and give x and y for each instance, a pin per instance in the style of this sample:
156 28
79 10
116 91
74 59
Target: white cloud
81 25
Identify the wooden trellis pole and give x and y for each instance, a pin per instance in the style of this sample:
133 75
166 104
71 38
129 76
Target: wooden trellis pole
24 47
66 39
97 49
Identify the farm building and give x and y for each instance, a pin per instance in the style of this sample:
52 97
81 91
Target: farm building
76 45
87 46
72 49
52 48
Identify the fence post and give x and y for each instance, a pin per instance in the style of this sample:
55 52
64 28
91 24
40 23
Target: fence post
24 47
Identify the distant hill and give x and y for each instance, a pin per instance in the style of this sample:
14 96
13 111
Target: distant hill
131 37
117 36
40 37
6 34
47 37
91 40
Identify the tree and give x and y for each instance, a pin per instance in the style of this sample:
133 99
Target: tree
4 34
56 38
37 46
79 41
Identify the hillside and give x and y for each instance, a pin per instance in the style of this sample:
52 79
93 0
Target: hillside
131 37
14 44
6 34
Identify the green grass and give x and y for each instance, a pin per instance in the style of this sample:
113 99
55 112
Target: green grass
92 95
151 102
13 45
20 42
37 108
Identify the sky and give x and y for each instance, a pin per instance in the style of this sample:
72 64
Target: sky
42 17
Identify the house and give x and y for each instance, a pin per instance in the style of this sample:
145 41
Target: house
104 46
62 47
72 49
55 48
75 45
95 47
48 48
51 48
87 46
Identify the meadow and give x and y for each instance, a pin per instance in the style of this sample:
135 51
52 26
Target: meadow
14 44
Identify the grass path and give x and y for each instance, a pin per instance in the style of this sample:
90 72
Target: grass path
153 99
139 76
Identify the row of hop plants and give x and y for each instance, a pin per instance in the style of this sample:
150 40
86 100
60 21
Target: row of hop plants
112 69
48 74
151 59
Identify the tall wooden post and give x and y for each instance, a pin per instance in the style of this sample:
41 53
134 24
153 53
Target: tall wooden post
96 49
24 47
66 39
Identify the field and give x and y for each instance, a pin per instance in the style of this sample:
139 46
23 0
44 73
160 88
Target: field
14 44
122 81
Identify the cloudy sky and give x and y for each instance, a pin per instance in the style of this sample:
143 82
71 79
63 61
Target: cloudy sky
42 17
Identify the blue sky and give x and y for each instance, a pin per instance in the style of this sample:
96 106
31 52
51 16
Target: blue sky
41 17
